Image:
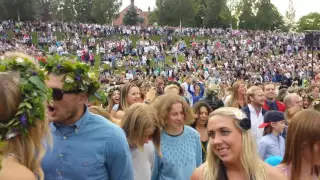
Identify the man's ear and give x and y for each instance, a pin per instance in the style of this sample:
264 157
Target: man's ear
82 98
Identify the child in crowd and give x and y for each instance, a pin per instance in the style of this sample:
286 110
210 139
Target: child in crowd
272 143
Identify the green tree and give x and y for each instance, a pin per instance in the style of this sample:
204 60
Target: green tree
131 17
171 12
153 18
46 9
247 19
290 16
104 11
18 9
83 9
310 21
235 9
217 14
65 10
199 9
268 17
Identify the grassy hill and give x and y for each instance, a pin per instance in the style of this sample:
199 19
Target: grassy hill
133 38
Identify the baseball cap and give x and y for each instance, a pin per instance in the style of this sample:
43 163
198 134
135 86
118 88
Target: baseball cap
271 116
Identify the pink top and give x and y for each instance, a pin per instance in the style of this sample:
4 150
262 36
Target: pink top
287 172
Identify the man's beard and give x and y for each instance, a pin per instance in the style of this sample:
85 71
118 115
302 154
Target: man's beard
68 116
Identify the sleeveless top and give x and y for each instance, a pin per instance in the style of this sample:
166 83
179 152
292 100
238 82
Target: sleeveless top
222 173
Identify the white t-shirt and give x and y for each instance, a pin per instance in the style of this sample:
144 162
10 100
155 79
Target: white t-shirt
143 161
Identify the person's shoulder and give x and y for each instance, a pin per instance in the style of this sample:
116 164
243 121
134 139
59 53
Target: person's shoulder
191 131
105 124
98 119
264 141
10 173
119 114
196 175
273 173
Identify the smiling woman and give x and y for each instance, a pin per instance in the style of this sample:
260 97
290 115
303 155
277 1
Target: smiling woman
180 144
129 94
231 150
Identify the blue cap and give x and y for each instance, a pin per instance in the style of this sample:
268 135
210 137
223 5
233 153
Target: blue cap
272 116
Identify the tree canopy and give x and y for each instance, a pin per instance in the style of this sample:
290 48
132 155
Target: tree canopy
243 14
132 17
310 21
100 11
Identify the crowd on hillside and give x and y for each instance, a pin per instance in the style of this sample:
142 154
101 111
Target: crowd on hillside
199 104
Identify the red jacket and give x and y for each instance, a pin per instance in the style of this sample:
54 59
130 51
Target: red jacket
281 106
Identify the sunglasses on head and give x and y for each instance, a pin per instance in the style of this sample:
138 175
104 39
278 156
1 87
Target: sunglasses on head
57 94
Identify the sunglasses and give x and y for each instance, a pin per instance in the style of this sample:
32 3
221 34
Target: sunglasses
57 94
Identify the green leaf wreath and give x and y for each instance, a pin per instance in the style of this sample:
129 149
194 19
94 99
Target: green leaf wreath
34 95
78 76
99 97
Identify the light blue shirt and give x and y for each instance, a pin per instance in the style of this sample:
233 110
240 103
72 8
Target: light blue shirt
181 156
92 149
271 145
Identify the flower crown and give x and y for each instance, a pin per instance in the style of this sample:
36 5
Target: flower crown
111 89
78 76
315 103
100 96
34 94
309 96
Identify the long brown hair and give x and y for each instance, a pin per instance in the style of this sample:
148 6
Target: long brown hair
124 91
196 110
233 102
138 118
303 129
110 92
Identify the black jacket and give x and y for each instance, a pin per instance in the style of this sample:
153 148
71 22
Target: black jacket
246 110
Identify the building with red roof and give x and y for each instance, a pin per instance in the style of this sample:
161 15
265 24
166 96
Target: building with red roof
142 14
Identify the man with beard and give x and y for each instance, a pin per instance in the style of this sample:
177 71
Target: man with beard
159 82
85 146
254 110
271 103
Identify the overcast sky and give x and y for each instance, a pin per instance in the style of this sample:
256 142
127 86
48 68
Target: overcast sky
303 7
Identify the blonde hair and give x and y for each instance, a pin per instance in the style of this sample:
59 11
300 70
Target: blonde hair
291 112
233 102
303 129
102 112
249 156
163 105
250 92
168 88
137 119
29 149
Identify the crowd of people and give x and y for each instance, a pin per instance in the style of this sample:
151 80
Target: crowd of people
241 105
